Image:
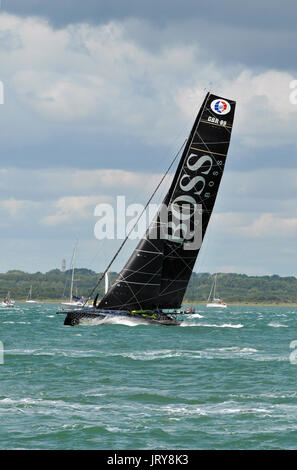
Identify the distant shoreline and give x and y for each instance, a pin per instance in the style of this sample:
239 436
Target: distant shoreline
235 289
268 304
187 303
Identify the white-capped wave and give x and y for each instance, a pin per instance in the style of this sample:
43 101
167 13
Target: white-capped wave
152 355
229 407
277 325
213 325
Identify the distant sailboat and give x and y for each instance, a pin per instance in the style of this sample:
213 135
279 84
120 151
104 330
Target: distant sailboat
74 300
154 280
29 297
216 301
7 301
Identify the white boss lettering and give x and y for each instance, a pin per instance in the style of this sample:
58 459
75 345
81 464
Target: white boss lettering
187 183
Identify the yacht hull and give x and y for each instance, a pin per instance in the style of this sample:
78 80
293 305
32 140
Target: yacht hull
214 305
76 317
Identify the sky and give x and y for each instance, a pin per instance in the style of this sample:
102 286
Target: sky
100 95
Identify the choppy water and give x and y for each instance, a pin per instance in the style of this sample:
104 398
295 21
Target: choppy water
223 380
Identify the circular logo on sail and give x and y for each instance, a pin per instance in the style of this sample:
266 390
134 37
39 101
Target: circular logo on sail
220 106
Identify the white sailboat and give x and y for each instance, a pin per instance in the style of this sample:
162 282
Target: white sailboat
216 302
74 301
29 297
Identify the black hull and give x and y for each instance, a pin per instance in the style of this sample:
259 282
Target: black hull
76 317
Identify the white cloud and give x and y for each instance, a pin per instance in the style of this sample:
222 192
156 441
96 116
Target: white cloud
48 183
115 179
269 226
16 207
264 115
102 80
75 208
100 76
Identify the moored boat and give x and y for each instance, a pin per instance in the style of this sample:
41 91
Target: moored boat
29 297
216 302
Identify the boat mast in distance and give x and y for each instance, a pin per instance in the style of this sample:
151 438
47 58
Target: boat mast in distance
106 283
216 301
29 297
74 300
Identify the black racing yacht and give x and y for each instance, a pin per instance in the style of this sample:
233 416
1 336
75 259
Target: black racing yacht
152 284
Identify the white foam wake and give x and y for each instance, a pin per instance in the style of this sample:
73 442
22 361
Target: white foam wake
213 325
110 320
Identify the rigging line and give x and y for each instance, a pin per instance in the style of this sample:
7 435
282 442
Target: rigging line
152 298
139 292
202 201
187 266
217 142
161 197
208 149
134 294
124 241
121 278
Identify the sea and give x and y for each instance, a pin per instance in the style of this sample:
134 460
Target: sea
223 379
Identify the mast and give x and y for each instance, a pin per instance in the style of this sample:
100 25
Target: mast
30 293
106 283
72 276
211 289
215 286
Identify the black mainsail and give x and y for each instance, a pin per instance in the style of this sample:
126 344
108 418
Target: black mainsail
157 274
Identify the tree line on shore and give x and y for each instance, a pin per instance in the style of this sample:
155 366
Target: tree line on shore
55 285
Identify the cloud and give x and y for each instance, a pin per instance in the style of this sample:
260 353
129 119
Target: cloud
97 109
269 15
86 85
12 206
17 208
75 208
46 184
268 226
251 226
264 115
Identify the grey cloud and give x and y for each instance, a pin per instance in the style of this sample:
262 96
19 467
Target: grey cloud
261 34
264 14
221 41
258 33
